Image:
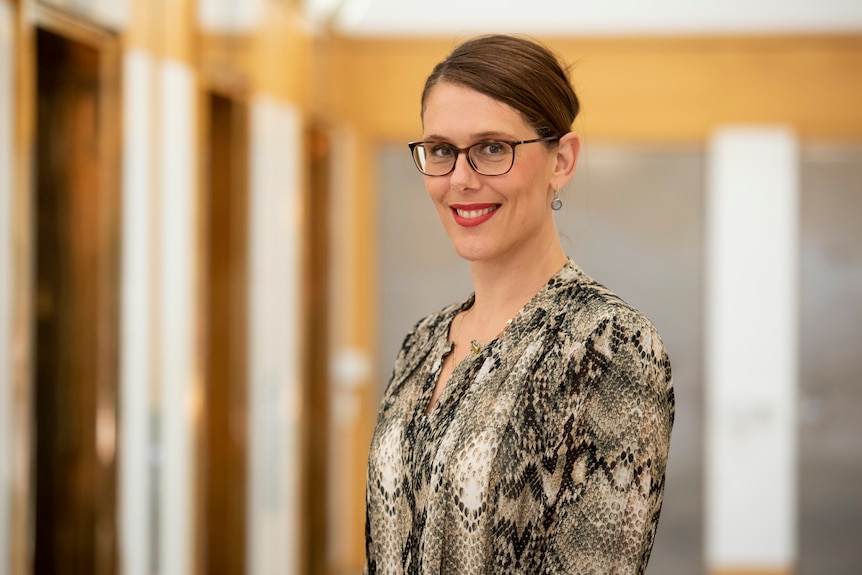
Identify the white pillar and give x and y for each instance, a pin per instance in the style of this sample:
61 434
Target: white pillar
136 326
275 394
751 349
7 127
178 264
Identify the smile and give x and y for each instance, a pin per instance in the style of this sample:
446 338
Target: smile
473 215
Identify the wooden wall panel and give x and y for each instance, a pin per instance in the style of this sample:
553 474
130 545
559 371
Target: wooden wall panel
163 28
283 56
173 25
635 89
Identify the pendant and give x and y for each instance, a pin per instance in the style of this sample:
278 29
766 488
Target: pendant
475 346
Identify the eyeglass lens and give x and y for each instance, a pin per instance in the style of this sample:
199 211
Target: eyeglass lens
487 158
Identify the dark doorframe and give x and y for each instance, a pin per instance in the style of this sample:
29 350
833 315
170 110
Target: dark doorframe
75 227
222 476
315 334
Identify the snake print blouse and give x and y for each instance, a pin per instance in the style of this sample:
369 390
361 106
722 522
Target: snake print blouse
545 454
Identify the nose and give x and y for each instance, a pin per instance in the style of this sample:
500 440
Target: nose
463 175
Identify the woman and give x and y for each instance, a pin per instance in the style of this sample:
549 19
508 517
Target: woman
525 429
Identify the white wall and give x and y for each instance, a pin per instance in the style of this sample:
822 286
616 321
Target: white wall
230 16
578 17
111 13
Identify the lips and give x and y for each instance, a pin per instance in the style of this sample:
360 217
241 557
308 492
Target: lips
473 214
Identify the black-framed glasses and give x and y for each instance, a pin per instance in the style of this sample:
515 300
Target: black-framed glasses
489 158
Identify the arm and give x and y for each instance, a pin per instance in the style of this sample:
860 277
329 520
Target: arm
610 441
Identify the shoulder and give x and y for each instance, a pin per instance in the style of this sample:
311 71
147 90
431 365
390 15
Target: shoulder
613 380
607 339
587 307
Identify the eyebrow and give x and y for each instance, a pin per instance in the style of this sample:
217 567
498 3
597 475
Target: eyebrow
479 137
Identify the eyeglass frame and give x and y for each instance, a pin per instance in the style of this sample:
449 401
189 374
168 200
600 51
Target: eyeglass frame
465 151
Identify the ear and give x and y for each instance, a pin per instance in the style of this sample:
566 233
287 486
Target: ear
567 158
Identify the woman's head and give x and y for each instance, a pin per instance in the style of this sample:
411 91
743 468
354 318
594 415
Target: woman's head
517 72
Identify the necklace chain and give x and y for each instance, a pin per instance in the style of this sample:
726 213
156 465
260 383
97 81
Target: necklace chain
460 325
475 346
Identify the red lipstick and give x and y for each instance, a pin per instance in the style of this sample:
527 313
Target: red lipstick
470 215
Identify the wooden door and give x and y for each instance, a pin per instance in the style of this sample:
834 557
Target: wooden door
75 315
222 517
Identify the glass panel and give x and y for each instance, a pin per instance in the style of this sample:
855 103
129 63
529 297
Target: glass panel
632 218
830 524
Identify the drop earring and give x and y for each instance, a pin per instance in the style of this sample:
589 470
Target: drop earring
557 203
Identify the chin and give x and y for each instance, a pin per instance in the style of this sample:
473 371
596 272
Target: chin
472 253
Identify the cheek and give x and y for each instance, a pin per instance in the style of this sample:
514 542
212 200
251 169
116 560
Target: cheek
436 188
533 194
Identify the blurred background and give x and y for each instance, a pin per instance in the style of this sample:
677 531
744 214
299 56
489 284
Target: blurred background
212 240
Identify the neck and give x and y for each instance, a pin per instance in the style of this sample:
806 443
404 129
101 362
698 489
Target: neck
503 288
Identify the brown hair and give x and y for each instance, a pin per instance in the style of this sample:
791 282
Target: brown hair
515 71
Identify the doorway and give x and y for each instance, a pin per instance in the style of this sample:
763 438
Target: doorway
75 219
223 453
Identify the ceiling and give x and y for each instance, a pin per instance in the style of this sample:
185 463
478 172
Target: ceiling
586 18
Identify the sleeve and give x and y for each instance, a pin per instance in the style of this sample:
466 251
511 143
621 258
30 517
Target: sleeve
610 441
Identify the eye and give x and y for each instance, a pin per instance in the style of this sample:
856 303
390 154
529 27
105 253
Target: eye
440 150
492 149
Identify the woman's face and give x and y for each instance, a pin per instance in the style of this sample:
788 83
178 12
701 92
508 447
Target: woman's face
491 218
